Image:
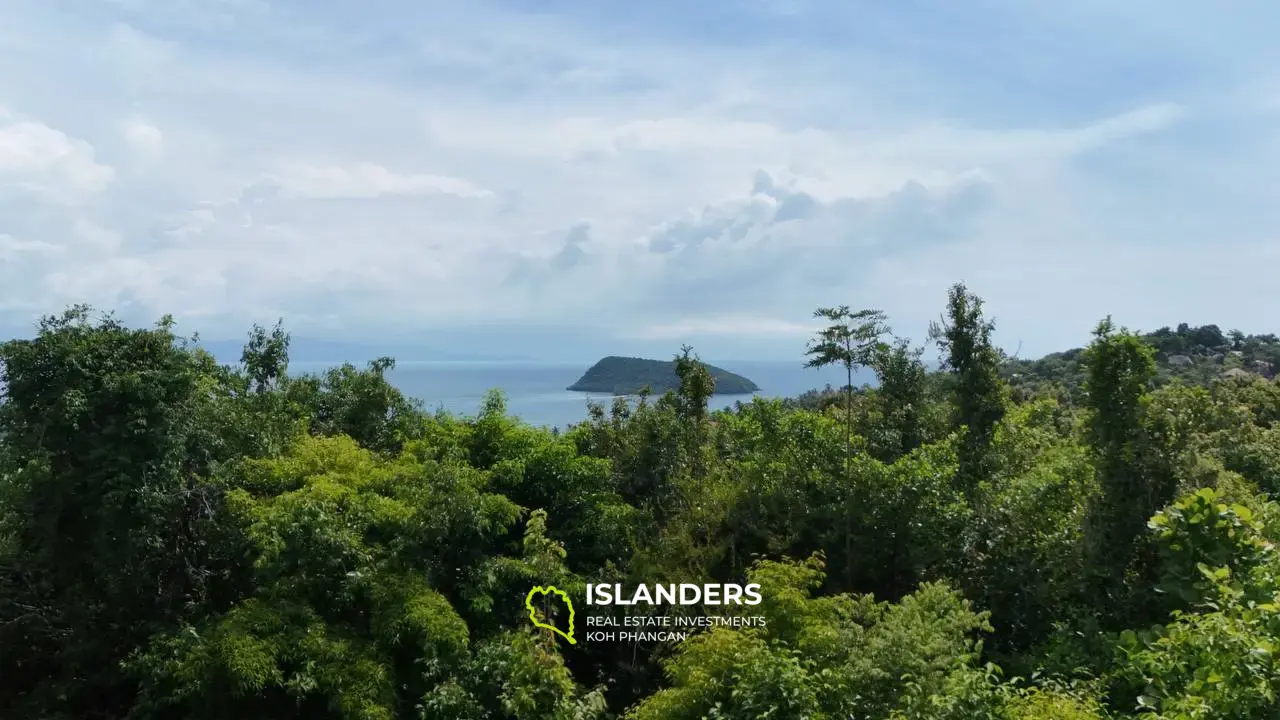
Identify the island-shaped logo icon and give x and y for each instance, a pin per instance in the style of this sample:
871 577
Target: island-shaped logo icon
540 591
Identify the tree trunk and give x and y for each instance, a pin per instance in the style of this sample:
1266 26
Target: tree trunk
848 440
848 416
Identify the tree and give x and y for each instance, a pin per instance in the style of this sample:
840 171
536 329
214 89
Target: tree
851 341
266 357
1120 367
902 392
697 385
964 337
183 539
359 402
838 656
111 435
1215 659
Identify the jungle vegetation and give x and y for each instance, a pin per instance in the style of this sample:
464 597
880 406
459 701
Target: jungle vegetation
1086 536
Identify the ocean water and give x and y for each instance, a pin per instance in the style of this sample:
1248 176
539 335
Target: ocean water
536 391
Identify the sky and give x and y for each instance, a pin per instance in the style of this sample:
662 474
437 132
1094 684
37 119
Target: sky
564 178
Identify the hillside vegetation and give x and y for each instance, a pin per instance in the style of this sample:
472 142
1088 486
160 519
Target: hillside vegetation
1207 355
180 539
1194 355
632 376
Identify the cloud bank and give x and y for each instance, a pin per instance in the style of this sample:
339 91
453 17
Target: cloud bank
661 172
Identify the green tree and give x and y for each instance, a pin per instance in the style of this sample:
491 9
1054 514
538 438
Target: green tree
829 657
360 403
112 437
851 341
1217 658
964 336
696 387
182 539
1120 368
901 393
266 356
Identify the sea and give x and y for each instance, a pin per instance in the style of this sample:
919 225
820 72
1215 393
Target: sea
536 392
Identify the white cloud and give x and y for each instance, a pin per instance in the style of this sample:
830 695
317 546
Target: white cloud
145 138
92 235
413 165
368 180
12 249
726 325
39 158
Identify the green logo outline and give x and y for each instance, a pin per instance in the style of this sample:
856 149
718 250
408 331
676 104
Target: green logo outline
533 615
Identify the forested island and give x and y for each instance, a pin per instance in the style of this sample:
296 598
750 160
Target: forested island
1089 536
629 376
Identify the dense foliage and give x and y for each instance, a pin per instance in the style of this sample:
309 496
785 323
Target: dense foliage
181 539
1194 355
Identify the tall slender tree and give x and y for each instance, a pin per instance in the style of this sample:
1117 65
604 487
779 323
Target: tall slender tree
852 340
1120 368
964 337
697 385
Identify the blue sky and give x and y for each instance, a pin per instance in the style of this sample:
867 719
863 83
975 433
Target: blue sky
646 174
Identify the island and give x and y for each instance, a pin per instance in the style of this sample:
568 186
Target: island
626 376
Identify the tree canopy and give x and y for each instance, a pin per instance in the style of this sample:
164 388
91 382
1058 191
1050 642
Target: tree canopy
1090 535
